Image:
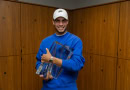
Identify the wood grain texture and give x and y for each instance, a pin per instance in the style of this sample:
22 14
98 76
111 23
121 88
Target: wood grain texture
98 28
84 78
36 24
99 73
103 29
78 26
50 27
30 81
124 31
123 74
9 28
10 73
103 73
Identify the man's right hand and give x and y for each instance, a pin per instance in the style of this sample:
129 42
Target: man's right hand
48 77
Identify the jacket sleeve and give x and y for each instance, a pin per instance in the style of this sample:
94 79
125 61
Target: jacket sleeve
76 62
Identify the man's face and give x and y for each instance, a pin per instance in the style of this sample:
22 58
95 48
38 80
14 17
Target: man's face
60 24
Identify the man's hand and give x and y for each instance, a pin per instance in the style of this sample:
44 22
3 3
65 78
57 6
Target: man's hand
46 57
48 77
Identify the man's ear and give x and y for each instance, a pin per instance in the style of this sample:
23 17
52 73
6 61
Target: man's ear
67 22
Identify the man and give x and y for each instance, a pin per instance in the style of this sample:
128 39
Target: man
67 79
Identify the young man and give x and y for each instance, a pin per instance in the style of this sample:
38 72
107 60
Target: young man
67 79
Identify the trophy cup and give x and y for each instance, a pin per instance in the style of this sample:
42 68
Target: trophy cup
58 50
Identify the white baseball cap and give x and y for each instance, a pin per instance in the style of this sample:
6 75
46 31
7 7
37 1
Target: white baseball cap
60 13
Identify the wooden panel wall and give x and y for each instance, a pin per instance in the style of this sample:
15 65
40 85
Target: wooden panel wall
10 73
22 28
123 75
10 48
104 31
50 27
94 24
103 73
98 29
30 81
85 76
36 24
77 26
9 28
99 73
124 32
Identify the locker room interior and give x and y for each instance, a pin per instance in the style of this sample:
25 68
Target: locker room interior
103 26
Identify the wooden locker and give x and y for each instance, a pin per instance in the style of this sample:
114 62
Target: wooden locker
84 77
35 26
102 28
123 74
10 73
50 27
9 28
78 24
99 73
103 72
124 31
30 81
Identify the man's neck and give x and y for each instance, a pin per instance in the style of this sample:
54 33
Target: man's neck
58 34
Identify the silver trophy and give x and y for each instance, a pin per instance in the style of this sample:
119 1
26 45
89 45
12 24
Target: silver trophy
58 50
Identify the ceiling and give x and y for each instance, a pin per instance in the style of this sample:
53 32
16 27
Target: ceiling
69 4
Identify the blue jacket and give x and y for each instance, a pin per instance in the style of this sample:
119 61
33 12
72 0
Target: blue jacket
67 78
